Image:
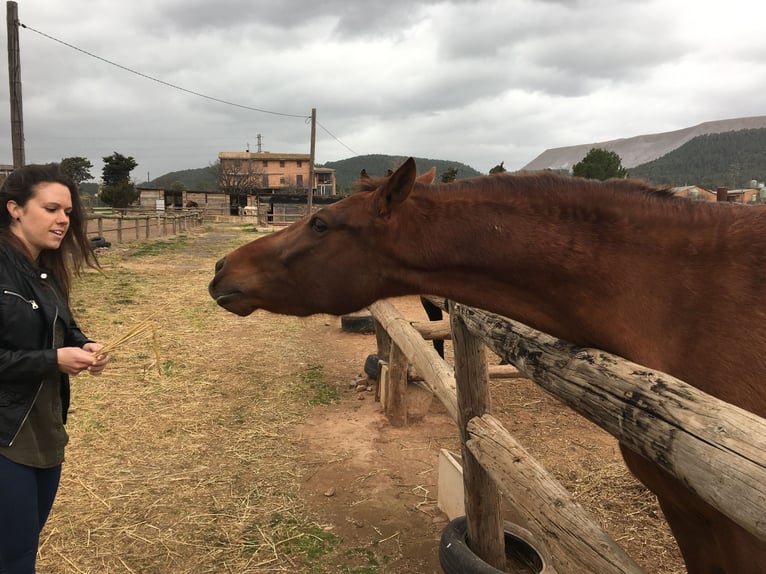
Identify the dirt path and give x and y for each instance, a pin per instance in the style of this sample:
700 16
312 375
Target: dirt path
252 451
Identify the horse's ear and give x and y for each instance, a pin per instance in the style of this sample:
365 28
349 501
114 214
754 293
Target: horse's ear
395 188
428 177
363 175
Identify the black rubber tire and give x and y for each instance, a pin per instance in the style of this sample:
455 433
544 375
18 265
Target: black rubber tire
99 242
456 557
357 323
371 366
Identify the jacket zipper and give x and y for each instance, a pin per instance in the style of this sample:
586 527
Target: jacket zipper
26 415
34 305
31 302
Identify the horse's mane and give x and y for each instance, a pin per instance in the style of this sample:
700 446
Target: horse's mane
369 183
539 181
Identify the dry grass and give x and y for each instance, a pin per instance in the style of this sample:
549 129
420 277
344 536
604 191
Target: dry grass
190 470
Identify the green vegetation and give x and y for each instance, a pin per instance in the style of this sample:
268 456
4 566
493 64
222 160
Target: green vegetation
311 546
347 170
320 391
729 159
78 168
157 247
599 164
199 179
118 189
249 228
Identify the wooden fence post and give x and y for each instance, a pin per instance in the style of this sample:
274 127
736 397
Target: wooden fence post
437 375
384 351
484 521
119 230
396 407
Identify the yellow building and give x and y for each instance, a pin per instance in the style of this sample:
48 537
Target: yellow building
267 172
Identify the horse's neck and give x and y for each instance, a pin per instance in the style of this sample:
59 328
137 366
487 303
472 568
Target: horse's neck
596 274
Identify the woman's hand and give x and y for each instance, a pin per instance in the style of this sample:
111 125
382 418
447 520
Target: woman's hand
73 360
100 360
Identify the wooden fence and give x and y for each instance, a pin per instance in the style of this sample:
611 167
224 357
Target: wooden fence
122 228
718 449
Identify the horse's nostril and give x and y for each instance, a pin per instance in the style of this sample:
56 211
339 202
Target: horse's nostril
219 264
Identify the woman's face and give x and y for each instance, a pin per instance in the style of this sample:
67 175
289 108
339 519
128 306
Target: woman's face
44 220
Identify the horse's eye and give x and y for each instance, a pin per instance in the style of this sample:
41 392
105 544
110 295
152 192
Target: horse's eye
318 225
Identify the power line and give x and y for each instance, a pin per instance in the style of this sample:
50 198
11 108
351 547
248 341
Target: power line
182 89
164 83
336 139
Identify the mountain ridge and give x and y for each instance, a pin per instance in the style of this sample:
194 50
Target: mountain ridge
637 150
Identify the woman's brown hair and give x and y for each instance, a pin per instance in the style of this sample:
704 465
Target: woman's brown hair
75 251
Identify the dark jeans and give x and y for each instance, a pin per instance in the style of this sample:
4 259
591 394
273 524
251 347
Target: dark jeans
26 498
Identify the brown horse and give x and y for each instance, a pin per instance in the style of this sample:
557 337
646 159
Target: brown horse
672 284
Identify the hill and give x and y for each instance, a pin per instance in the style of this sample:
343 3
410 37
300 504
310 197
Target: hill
638 150
346 172
198 179
730 159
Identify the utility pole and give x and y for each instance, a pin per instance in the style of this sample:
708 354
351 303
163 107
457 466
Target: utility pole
310 199
14 80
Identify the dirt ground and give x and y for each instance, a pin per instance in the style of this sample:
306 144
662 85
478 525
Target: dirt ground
385 481
246 447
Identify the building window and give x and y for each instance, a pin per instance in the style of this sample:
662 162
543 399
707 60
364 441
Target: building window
299 180
300 163
282 163
265 163
282 181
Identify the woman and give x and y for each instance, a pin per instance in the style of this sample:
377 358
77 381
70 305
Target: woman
43 244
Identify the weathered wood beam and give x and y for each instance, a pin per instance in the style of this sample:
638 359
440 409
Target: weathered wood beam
431 330
435 372
575 542
495 372
717 450
484 521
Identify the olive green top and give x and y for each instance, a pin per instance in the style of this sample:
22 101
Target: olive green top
42 438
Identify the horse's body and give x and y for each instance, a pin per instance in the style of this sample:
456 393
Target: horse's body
671 284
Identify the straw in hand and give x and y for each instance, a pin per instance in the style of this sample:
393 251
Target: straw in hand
138 331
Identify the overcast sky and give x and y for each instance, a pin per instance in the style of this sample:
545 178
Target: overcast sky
478 82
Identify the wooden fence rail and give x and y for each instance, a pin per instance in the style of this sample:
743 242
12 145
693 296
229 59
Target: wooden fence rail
119 228
717 449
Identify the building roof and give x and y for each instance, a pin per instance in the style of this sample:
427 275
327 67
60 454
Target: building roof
265 155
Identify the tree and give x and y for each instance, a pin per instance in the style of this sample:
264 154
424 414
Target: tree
600 164
77 168
119 195
117 168
118 190
238 179
450 174
498 168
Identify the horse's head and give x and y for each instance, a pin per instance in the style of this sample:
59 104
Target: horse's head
330 262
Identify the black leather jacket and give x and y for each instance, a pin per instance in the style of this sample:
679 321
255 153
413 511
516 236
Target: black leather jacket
30 305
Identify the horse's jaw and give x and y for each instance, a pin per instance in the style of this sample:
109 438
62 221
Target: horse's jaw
234 303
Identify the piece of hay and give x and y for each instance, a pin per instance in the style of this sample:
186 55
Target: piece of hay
138 331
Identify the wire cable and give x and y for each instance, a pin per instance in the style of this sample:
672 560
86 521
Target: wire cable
164 83
336 139
182 89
